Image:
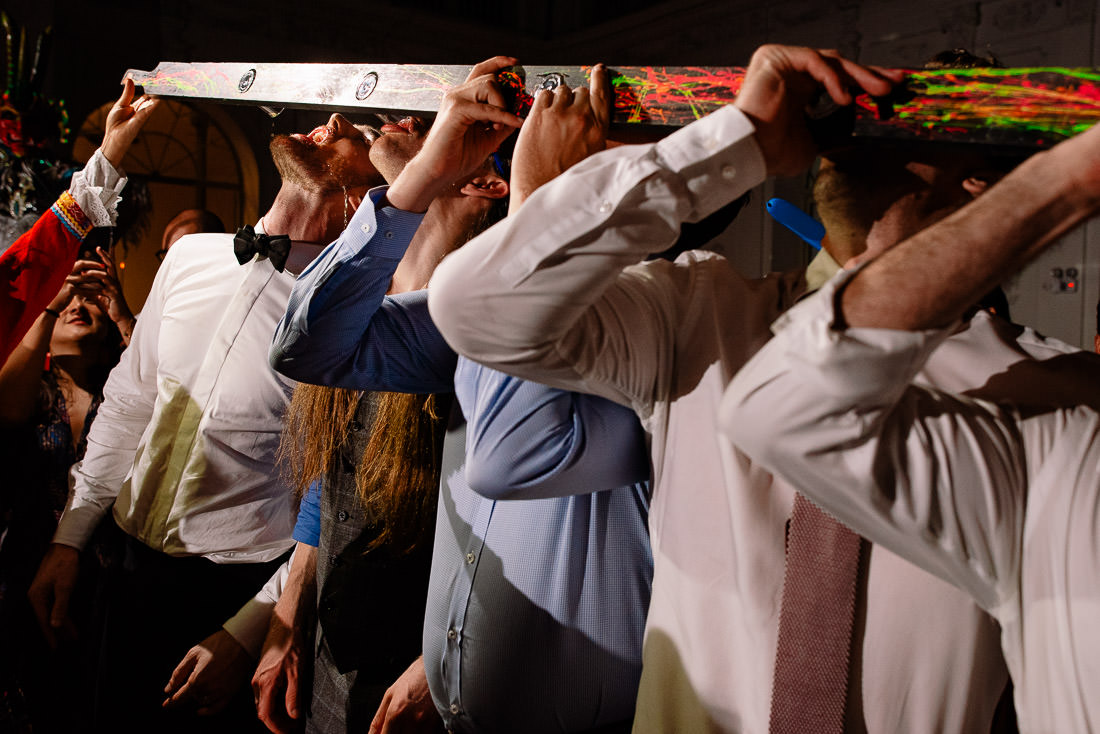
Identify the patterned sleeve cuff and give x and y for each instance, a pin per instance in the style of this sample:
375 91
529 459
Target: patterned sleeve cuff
72 216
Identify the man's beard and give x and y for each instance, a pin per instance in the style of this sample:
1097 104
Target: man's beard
312 168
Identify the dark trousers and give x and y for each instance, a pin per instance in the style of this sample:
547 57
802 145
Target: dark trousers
158 607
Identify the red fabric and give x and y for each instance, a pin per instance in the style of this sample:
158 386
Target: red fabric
815 624
32 271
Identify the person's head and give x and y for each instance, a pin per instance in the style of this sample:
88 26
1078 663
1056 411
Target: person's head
874 194
82 322
397 475
189 221
332 158
84 331
401 140
471 204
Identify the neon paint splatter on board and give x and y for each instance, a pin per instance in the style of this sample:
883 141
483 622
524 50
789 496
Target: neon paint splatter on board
672 96
1030 107
1043 103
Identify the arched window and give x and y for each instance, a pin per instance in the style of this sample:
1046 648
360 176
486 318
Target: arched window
190 155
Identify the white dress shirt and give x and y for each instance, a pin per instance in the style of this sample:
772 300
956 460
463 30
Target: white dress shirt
1003 502
184 443
554 294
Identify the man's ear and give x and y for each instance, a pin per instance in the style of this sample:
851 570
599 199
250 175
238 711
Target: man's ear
485 186
977 183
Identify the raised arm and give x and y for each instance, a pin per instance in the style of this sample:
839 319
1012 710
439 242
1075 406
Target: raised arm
936 479
542 295
340 328
35 266
828 404
525 440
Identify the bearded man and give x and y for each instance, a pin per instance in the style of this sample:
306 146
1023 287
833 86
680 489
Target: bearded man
184 444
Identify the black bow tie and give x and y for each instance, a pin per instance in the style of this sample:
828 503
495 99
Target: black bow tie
247 243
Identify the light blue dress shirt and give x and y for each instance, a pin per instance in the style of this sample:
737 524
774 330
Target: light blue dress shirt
536 608
307 528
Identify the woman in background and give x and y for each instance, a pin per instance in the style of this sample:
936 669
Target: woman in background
50 388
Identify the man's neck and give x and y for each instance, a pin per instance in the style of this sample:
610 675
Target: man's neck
309 216
312 219
843 246
443 229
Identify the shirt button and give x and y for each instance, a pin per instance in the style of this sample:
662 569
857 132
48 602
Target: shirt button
365 228
454 708
728 172
342 515
470 557
389 234
452 634
355 425
605 207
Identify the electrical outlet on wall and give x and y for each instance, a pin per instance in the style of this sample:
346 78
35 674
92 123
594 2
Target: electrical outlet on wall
1062 279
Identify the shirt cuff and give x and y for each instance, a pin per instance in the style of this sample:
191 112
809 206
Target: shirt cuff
717 157
249 625
96 189
392 228
77 525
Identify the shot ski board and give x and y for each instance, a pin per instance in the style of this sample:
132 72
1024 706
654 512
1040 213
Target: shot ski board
1032 107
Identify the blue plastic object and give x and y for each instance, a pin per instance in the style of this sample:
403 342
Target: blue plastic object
802 224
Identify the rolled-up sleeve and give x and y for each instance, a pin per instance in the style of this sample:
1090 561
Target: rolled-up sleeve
307 528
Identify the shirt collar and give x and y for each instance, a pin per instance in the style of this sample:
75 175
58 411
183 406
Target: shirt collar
820 271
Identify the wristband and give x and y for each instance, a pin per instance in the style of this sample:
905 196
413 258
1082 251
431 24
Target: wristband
51 312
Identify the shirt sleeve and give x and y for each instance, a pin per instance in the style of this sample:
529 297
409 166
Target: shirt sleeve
129 397
33 268
307 529
543 294
937 479
525 440
249 625
96 189
340 327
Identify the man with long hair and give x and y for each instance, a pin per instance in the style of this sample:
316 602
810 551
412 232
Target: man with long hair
536 607
368 464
